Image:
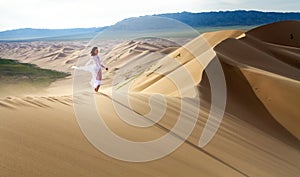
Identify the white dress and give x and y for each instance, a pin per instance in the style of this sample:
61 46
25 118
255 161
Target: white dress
95 69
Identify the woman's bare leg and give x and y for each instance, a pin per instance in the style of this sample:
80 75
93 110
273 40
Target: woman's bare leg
99 77
97 88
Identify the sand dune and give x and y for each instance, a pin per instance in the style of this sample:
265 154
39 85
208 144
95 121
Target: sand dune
214 38
254 96
258 136
129 59
48 142
287 34
271 68
50 55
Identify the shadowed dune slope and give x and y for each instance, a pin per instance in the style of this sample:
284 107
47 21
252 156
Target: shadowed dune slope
268 60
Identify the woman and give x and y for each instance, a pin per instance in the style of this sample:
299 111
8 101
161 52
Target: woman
97 68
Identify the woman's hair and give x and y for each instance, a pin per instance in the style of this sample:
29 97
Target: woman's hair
93 51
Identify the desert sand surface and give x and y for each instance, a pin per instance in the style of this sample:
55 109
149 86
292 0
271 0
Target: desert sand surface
258 136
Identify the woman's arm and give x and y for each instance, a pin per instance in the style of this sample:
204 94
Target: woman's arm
103 66
98 62
89 62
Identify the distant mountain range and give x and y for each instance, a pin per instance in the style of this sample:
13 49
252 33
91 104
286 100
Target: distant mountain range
231 18
25 34
195 20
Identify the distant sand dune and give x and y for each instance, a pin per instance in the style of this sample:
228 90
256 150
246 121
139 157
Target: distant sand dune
44 54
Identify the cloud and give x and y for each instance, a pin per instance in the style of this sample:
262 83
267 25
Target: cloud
94 13
231 2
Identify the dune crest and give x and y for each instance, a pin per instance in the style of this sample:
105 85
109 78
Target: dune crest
286 33
193 57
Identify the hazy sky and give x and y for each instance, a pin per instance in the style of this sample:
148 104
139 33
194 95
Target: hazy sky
95 13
